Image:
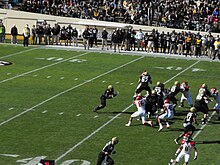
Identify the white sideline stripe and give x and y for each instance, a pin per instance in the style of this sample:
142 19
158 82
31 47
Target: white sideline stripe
47 66
24 51
203 126
97 130
61 93
93 133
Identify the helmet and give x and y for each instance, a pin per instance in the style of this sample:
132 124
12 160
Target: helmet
153 92
138 97
110 87
204 86
166 101
213 91
115 140
158 83
176 83
193 109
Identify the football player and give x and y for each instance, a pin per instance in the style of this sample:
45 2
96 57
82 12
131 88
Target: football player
201 102
166 114
108 94
188 124
151 103
108 149
184 151
184 89
160 91
175 89
144 82
214 93
141 112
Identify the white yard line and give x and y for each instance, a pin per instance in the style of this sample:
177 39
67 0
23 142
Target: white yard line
70 89
24 51
203 126
108 122
47 66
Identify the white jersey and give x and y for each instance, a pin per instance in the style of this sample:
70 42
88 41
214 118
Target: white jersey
201 94
168 111
140 104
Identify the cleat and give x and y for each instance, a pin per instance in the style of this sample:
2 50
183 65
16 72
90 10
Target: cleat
176 141
160 129
168 126
127 125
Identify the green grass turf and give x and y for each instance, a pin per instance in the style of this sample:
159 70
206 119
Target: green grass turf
54 91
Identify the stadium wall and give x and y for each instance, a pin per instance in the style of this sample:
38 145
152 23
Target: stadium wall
20 19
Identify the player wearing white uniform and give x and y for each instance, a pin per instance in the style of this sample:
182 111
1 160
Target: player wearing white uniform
184 151
167 113
184 89
141 112
214 93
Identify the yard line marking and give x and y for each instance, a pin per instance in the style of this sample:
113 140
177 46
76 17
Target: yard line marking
108 122
47 66
182 71
70 89
93 133
203 126
24 51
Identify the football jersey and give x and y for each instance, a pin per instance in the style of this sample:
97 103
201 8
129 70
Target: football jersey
189 117
168 108
140 104
109 147
187 146
145 78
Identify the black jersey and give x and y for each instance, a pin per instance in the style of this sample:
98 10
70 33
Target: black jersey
109 93
109 147
189 118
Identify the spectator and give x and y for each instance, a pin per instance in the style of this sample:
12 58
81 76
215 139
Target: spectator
104 39
26 35
14 33
2 32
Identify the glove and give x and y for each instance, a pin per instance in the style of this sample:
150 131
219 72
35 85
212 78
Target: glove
195 157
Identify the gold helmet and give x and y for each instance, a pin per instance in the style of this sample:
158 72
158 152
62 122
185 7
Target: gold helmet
204 86
153 92
158 83
115 140
192 109
176 83
110 87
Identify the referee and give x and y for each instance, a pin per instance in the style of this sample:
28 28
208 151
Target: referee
104 155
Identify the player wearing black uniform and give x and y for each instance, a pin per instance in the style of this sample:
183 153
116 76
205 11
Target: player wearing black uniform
108 149
202 100
144 81
188 124
151 103
108 94
160 91
175 89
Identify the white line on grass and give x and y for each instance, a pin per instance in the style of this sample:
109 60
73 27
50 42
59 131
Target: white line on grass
24 51
93 133
108 122
70 89
47 66
203 126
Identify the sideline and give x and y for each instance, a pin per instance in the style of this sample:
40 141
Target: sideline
70 89
47 66
108 122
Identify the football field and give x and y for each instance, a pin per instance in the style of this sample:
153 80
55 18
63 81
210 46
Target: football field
48 94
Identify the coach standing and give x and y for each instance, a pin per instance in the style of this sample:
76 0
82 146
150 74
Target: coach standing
26 35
